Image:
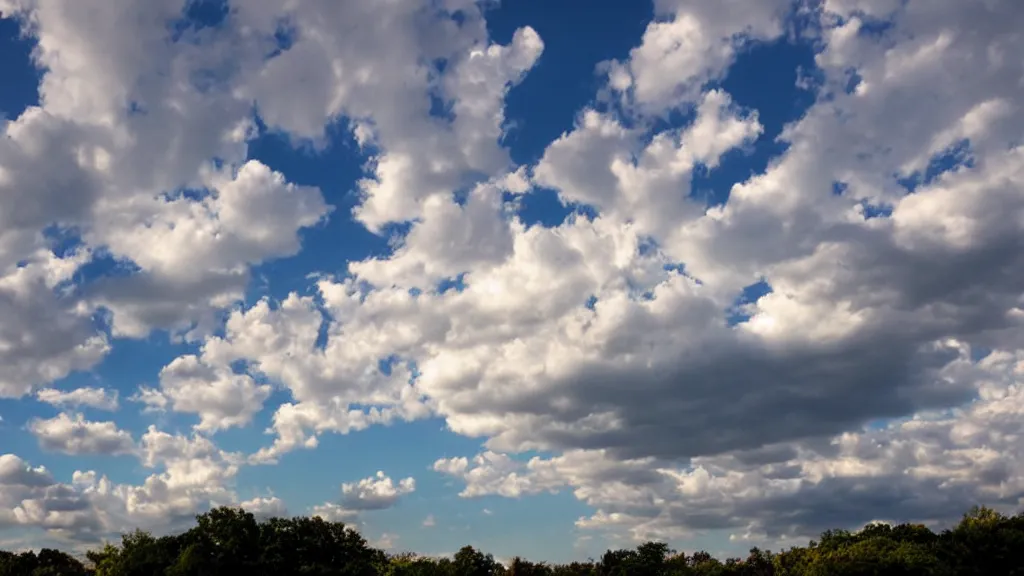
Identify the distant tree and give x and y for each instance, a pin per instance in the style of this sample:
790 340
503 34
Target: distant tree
984 542
411 565
51 562
22 564
469 561
315 546
574 569
232 541
142 554
48 562
759 563
522 567
105 560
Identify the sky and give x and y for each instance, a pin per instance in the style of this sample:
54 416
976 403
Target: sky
540 277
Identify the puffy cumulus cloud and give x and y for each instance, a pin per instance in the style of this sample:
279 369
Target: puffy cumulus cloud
493 473
265 507
332 512
194 476
139 148
221 398
45 334
98 398
380 74
128 118
887 236
78 436
386 541
603 164
46 504
450 239
691 44
926 468
193 255
16 472
281 342
374 493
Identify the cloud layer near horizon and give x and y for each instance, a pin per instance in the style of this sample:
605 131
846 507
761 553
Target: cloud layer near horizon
888 236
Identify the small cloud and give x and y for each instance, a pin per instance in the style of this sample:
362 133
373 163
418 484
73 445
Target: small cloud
335 513
375 493
76 436
265 507
429 521
154 400
487 511
98 398
385 542
582 540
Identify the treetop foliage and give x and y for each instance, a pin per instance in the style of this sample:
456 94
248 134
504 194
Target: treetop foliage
231 541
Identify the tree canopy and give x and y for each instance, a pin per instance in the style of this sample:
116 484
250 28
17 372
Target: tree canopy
231 541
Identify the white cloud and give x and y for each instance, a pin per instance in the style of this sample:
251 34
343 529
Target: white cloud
45 334
429 521
492 473
694 43
221 398
78 436
380 75
152 399
84 161
603 342
265 507
594 164
868 318
194 476
194 254
432 252
281 343
15 472
127 119
332 512
98 398
376 492
385 541
927 468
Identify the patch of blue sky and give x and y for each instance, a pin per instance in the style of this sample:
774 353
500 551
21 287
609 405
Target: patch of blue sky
198 15
545 207
330 246
564 79
763 79
741 309
951 159
20 76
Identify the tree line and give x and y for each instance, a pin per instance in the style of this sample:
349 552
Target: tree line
230 541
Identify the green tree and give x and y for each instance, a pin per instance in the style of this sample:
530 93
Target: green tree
51 562
469 561
229 541
22 564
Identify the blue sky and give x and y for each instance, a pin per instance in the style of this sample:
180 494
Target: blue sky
679 271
